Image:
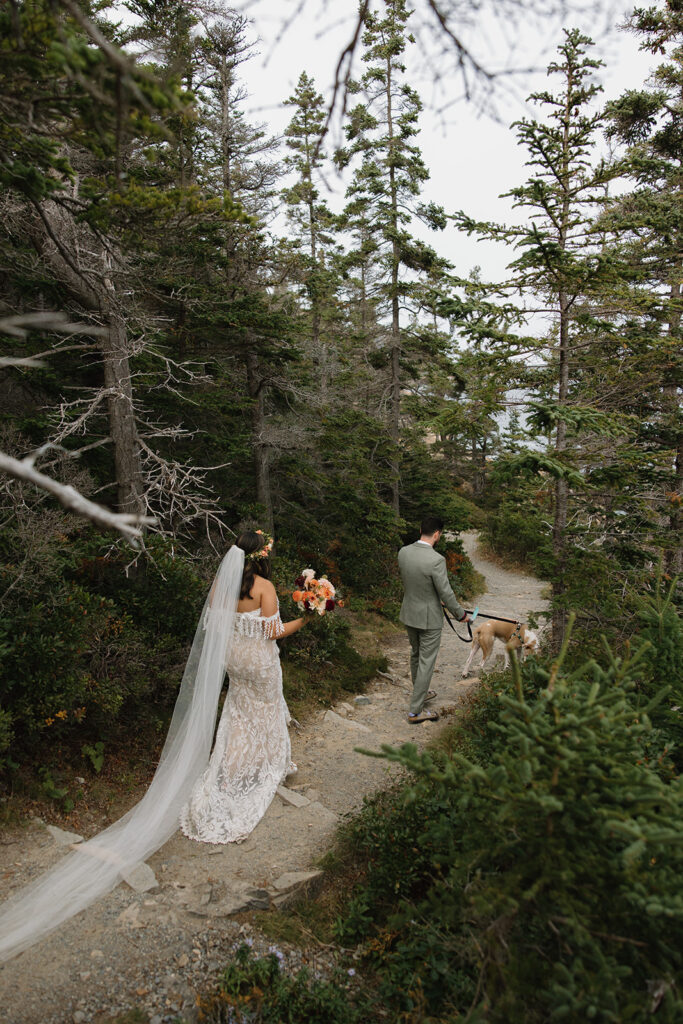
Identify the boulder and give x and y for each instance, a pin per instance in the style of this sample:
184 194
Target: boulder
290 796
63 838
140 878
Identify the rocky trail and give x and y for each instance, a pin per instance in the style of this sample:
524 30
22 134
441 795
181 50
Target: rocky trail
166 933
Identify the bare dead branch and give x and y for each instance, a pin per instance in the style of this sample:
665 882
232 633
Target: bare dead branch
130 526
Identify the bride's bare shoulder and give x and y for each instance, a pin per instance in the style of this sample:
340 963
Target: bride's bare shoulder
263 587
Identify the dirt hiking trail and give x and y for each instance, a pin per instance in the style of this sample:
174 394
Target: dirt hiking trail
156 941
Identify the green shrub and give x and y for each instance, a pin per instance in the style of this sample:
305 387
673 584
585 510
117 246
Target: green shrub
255 990
541 879
520 532
6 733
464 578
86 640
162 592
661 628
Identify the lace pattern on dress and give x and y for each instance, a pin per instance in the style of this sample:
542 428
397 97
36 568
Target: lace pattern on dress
249 624
252 752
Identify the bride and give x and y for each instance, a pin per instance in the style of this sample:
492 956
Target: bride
251 756
220 803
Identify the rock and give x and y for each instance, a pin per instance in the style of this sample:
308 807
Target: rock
96 954
318 814
339 709
194 896
63 838
290 796
141 878
290 879
80 780
156 1019
292 885
183 960
78 1017
131 916
362 700
346 707
333 719
246 897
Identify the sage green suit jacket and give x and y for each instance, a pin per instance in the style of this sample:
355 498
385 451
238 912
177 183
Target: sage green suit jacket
426 586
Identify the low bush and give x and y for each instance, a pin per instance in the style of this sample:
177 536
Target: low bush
256 990
84 643
661 629
519 532
530 868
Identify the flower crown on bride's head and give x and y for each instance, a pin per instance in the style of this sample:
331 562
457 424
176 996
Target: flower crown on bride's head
263 552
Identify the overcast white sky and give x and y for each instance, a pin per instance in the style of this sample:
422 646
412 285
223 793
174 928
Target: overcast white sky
472 157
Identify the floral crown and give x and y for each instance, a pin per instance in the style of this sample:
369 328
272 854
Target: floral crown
265 550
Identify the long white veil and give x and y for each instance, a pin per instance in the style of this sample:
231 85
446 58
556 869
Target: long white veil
96 866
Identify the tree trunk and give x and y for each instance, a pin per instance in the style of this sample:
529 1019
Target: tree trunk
56 238
395 426
673 559
559 618
319 346
122 426
259 446
226 149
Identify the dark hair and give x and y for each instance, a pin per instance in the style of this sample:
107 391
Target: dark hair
430 524
251 541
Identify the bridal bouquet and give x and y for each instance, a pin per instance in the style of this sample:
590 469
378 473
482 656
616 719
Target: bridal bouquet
314 595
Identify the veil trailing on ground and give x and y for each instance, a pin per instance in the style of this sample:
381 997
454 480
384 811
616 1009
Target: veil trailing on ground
96 866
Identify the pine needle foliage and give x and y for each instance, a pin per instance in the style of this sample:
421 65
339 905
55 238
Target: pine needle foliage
532 871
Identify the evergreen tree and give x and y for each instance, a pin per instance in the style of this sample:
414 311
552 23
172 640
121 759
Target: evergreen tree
312 221
384 194
562 264
648 226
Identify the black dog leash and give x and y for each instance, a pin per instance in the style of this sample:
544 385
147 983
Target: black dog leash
498 618
465 640
475 613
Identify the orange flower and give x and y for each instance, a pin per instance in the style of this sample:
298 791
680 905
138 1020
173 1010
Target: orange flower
297 595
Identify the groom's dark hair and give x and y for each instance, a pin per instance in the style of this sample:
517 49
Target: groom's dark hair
430 524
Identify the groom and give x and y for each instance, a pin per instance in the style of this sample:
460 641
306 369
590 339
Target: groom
426 587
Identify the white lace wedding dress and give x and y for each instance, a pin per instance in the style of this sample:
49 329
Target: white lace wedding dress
251 756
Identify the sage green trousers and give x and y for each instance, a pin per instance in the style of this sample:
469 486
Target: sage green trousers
424 648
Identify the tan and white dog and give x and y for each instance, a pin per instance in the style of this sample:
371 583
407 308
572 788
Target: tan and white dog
513 634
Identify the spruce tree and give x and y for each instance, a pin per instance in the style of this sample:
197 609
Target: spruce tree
561 264
314 242
384 195
647 226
